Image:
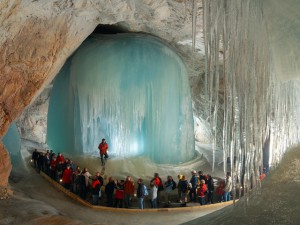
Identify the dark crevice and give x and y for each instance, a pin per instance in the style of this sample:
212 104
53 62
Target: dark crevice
109 29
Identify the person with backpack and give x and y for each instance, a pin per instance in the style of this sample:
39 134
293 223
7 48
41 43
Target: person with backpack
169 187
141 193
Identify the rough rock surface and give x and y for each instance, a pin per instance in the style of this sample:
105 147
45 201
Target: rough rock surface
5 168
38 36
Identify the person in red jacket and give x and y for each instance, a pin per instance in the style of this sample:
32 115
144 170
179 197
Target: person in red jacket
60 158
119 195
96 185
103 147
160 186
128 191
201 192
220 191
67 177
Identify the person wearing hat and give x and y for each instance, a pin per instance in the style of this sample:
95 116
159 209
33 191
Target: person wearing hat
103 147
194 184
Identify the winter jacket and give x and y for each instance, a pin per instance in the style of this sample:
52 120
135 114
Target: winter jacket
95 187
194 181
109 188
169 186
60 159
183 186
140 192
129 187
158 183
87 177
103 146
67 176
220 191
153 192
53 165
210 184
119 192
228 184
202 190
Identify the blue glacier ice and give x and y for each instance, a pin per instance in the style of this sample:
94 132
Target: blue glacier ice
12 143
130 89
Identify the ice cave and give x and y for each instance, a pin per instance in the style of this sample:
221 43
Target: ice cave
130 89
172 85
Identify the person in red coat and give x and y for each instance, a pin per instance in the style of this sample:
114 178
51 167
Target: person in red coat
119 195
67 177
201 192
103 147
220 191
160 186
96 185
60 158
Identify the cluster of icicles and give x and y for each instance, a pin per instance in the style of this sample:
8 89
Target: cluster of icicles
247 108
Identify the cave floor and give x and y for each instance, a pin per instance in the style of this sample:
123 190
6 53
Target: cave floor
35 201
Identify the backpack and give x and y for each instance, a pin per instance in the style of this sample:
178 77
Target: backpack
145 190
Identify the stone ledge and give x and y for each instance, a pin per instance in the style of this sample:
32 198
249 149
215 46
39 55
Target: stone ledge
103 208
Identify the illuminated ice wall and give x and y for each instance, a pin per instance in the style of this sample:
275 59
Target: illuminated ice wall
132 90
12 143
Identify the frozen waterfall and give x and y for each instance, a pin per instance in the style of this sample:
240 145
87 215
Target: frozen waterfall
132 90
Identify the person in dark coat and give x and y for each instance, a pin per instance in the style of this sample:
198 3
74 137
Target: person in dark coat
40 161
34 157
210 189
194 184
109 191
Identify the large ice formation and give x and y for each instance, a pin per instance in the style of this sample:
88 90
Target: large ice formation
132 90
260 113
12 143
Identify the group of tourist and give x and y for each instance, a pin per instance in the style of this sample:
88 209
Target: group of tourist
120 193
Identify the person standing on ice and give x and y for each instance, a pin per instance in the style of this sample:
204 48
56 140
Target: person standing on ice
103 147
228 187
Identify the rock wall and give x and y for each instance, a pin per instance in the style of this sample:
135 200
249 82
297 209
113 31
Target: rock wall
5 168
